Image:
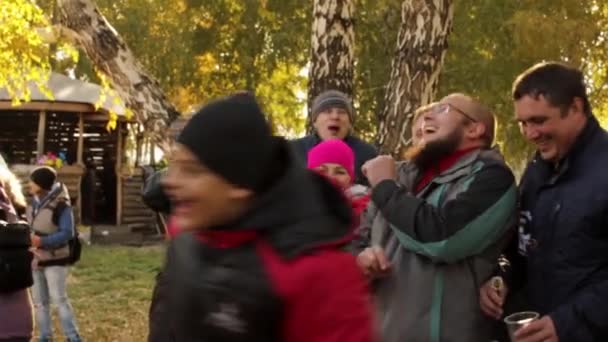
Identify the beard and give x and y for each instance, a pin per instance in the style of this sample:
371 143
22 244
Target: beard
427 154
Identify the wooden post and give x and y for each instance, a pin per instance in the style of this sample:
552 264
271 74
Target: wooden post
152 152
118 170
80 161
80 151
40 136
138 148
144 150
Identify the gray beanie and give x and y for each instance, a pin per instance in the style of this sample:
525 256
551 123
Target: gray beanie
330 99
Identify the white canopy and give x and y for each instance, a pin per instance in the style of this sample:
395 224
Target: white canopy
65 89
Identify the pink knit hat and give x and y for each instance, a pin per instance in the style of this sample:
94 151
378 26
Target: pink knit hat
333 151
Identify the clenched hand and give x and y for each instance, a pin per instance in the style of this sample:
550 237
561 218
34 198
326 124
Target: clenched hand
378 169
492 299
373 262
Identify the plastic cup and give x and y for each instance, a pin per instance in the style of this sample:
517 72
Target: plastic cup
519 320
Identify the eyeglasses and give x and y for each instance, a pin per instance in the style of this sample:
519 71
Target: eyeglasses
444 108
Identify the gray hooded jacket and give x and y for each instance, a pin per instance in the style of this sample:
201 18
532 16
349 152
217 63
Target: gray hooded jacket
443 243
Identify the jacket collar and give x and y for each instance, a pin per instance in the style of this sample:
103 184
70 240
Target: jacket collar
408 173
465 162
317 140
58 191
556 171
51 194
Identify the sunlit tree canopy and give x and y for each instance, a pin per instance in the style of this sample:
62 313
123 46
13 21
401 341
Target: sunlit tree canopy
201 49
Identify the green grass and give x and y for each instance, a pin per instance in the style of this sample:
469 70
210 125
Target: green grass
110 290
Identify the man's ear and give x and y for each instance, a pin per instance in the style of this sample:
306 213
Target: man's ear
577 106
475 131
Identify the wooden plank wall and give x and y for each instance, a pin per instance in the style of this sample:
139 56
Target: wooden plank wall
18 139
135 214
61 134
18 136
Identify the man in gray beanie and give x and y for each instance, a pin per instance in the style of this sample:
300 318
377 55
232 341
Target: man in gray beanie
332 117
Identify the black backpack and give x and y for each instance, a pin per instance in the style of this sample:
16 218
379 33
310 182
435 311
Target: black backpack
73 243
15 257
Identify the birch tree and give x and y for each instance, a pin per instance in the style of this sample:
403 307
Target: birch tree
421 47
332 48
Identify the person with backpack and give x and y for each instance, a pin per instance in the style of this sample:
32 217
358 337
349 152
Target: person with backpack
15 262
54 232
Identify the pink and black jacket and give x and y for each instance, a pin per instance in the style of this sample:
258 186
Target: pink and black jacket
278 274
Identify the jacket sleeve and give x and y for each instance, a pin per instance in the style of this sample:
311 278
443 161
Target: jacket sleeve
456 228
300 147
154 196
585 318
65 231
159 330
363 153
363 231
332 304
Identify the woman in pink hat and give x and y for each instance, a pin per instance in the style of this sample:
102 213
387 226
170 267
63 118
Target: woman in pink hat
336 160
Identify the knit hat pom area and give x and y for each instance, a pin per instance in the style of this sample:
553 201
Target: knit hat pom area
44 177
231 137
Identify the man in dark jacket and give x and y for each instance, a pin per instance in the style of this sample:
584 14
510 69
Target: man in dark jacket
259 256
560 259
332 117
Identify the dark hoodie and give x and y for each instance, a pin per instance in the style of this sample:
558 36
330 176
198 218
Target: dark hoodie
277 274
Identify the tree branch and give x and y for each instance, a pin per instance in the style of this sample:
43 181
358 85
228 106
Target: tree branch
81 23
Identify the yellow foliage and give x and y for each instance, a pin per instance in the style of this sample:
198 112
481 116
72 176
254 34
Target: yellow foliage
24 57
106 90
185 98
207 63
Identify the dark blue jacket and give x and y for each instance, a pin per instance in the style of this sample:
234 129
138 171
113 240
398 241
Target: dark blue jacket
563 238
362 150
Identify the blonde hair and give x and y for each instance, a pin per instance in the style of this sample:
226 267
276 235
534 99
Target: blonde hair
12 186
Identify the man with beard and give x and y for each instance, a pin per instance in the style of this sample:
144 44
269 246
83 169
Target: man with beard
439 223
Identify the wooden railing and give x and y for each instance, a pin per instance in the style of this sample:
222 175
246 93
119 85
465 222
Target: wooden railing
134 213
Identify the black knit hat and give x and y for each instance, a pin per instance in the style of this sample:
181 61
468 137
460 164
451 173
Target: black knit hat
330 99
231 137
44 177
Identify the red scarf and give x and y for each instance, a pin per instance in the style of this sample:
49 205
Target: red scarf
216 238
443 165
226 238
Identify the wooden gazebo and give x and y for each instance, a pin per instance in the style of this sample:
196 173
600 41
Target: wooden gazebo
105 186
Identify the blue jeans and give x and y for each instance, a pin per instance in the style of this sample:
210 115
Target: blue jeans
50 287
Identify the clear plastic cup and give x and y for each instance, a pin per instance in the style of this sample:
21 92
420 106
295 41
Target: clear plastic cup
519 320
